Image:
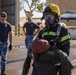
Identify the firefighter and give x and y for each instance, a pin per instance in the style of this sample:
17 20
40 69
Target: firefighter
57 35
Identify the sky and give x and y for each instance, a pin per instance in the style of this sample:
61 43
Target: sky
36 14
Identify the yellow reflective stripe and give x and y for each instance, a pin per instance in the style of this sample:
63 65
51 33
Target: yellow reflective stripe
50 33
65 38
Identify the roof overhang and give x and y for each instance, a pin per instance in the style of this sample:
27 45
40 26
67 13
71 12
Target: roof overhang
69 15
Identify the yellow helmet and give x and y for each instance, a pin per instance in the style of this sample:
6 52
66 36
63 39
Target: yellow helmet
52 8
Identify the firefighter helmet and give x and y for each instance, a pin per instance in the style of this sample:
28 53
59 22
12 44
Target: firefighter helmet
52 8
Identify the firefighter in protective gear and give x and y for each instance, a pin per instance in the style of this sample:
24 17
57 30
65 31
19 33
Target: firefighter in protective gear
57 35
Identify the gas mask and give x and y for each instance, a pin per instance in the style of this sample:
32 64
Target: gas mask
49 19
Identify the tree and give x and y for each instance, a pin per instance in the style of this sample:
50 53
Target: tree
33 5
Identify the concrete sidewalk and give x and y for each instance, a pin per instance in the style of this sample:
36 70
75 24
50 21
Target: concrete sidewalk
18 41
17 56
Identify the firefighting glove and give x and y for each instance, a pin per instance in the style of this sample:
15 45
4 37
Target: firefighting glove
10 47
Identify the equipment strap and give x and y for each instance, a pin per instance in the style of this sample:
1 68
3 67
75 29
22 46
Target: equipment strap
58 30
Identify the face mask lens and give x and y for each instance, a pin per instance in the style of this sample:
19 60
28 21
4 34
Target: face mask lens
49 18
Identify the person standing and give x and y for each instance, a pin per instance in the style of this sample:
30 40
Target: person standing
29 31
5 36
55 59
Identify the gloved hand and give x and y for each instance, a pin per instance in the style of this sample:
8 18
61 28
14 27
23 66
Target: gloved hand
10 47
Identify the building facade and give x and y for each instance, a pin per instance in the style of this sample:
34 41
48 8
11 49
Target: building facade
65 5
11 7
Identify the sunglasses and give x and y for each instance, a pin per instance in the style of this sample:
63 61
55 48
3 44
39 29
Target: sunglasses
3 16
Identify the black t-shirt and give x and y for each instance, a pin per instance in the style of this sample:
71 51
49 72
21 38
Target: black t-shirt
5 28
30 28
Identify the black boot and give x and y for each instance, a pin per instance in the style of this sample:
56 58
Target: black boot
3 72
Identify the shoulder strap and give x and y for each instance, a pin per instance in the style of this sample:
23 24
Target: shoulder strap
58 30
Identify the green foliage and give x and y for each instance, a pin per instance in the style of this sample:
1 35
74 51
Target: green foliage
21 5
34 0
40 7
33 5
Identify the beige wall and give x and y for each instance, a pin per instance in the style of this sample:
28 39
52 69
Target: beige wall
65 5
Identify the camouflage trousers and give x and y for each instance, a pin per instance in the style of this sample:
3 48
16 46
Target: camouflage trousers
3 54
28 41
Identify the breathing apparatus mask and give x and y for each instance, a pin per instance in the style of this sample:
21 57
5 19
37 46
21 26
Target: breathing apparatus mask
49 19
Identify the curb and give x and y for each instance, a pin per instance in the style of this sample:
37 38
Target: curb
17 46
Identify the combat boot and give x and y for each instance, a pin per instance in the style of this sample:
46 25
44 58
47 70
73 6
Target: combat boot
3 72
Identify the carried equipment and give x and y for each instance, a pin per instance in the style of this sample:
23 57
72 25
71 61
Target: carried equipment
40 46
